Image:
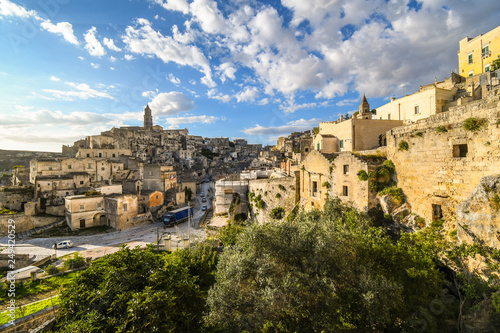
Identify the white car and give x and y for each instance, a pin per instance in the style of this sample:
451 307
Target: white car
202 194
204 207
63 245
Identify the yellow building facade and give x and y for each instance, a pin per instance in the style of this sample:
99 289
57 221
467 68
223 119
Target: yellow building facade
476 55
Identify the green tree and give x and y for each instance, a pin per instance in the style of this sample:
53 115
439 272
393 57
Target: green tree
326 272
135 290
495 64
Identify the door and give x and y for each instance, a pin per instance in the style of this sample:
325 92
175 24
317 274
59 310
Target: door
82 224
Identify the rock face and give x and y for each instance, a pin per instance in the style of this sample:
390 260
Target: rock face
387 204
478 217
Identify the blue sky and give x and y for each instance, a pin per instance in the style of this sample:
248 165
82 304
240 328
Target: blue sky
239 69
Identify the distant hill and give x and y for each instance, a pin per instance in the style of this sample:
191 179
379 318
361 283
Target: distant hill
9 158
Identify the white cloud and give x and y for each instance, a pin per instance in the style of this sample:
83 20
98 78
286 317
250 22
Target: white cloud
213 94
248 94
81 58
149 93
8 8
173 79
171 103
208 16
62 28
144 40
112 59
80 91
53 78
226 70
110 44
93 46
112 68
95 66
292 126
128 57
174 5
291 107
24 116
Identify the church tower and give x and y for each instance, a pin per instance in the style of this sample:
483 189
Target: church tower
364 109
148 119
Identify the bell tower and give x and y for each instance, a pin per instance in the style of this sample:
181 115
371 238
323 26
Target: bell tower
364 109
148 119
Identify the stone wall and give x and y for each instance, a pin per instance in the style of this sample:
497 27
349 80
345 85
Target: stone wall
15 197
25 223
268 189
431 172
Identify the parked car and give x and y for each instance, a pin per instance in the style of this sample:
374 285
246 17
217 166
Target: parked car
202 194
63 245
204 199
204 207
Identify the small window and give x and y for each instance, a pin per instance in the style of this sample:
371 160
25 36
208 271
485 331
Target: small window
100 154
50 168
417 110
341 143
81 182
114 155
102 178
345 191
471 73
307 150
156 197
460 150
485 51
67 193
69 166
119 167
38 185
89 166
102 168
99 205
82 207
487 68
389 116
125 207
470 58
346 169
88 155
437 212
314 188
317 146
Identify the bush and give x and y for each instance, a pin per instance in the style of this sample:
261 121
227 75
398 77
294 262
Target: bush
441 129
278 196
420 134
495 202
403 145
326 184
474 124
51 270
396 193
76 261
277 213
281 187
362 175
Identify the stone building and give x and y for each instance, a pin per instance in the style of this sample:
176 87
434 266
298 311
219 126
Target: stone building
159 177
149 199
357 133
121 210
476 55
85 211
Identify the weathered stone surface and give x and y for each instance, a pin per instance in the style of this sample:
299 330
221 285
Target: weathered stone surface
478 217
401 212
387 204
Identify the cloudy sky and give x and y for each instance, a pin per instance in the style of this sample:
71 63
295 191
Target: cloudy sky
234 68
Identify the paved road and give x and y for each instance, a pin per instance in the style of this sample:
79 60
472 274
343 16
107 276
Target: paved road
100 244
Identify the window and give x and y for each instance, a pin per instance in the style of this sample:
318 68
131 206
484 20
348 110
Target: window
81 182
88 155
317 146
50 168
341 143
99 205
89 166
314 188
102 168
345 191
118 167
487 67
100 154
389 116
485 51
471 73
307 150
346 169
470 58
417 111
156 197
125 207
460 150
82 207
437 212
114 155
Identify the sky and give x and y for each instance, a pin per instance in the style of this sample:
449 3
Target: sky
233 68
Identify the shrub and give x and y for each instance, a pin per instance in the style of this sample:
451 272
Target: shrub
403 145
326 184
420 134
396 193
474 124
51 269
441 129
76 261
277 213
281 187
362 175
495 202
278 196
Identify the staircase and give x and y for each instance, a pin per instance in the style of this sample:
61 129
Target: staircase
38 230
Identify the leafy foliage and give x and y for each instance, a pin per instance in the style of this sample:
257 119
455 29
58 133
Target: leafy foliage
281 187
362 175
327 272
75 261
396 193
474 124
277 213
278 195
51 270
136 290
403 145
381 177
441 129
495 64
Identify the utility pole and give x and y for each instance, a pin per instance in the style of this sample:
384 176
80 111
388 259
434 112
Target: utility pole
189 226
